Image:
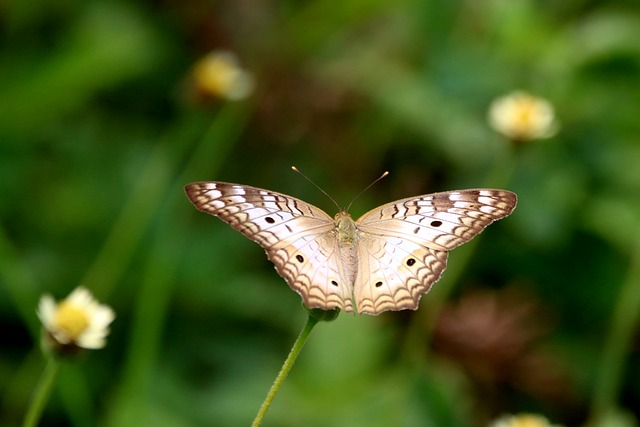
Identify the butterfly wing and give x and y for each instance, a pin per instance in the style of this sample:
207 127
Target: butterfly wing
394 273
299 238
403 245
441 221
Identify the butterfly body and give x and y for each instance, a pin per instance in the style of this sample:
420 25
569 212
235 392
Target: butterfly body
346 229
384 260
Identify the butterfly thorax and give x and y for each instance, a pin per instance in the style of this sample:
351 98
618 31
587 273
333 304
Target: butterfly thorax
346 229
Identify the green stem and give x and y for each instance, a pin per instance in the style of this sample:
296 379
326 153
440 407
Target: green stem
41 393
284 371
623 325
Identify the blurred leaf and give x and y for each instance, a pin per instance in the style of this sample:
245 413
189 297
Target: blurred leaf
618 418
107 45
615 219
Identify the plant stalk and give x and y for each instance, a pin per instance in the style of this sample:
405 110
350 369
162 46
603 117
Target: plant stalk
286 367
41 393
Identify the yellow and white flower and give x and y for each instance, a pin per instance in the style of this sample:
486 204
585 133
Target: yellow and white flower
218 74
522 420
79 320
522 117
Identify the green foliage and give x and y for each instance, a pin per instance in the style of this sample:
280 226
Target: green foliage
101 126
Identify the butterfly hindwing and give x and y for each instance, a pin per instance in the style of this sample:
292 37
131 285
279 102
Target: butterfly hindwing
312 267
394 273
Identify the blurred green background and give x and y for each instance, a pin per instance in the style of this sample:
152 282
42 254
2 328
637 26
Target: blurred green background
101 127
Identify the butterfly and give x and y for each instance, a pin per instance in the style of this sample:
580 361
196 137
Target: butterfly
383 261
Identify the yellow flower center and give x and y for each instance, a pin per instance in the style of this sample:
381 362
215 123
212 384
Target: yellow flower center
71 320
520 116
216 75
526 113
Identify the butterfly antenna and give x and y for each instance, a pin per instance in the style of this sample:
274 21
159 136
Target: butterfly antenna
368 187
295 169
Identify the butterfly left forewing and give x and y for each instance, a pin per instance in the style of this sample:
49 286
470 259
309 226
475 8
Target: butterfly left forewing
264 216
298 237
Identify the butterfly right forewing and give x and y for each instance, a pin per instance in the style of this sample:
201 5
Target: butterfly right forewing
441 221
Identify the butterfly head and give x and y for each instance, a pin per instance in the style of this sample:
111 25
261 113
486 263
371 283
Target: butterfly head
345 228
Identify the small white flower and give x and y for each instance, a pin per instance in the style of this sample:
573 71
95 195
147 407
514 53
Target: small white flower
521 117
522 420
79 320
219 74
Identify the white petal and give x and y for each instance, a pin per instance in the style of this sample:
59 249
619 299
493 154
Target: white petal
102 317
46 310
91 342
59 336
80 297
93 338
